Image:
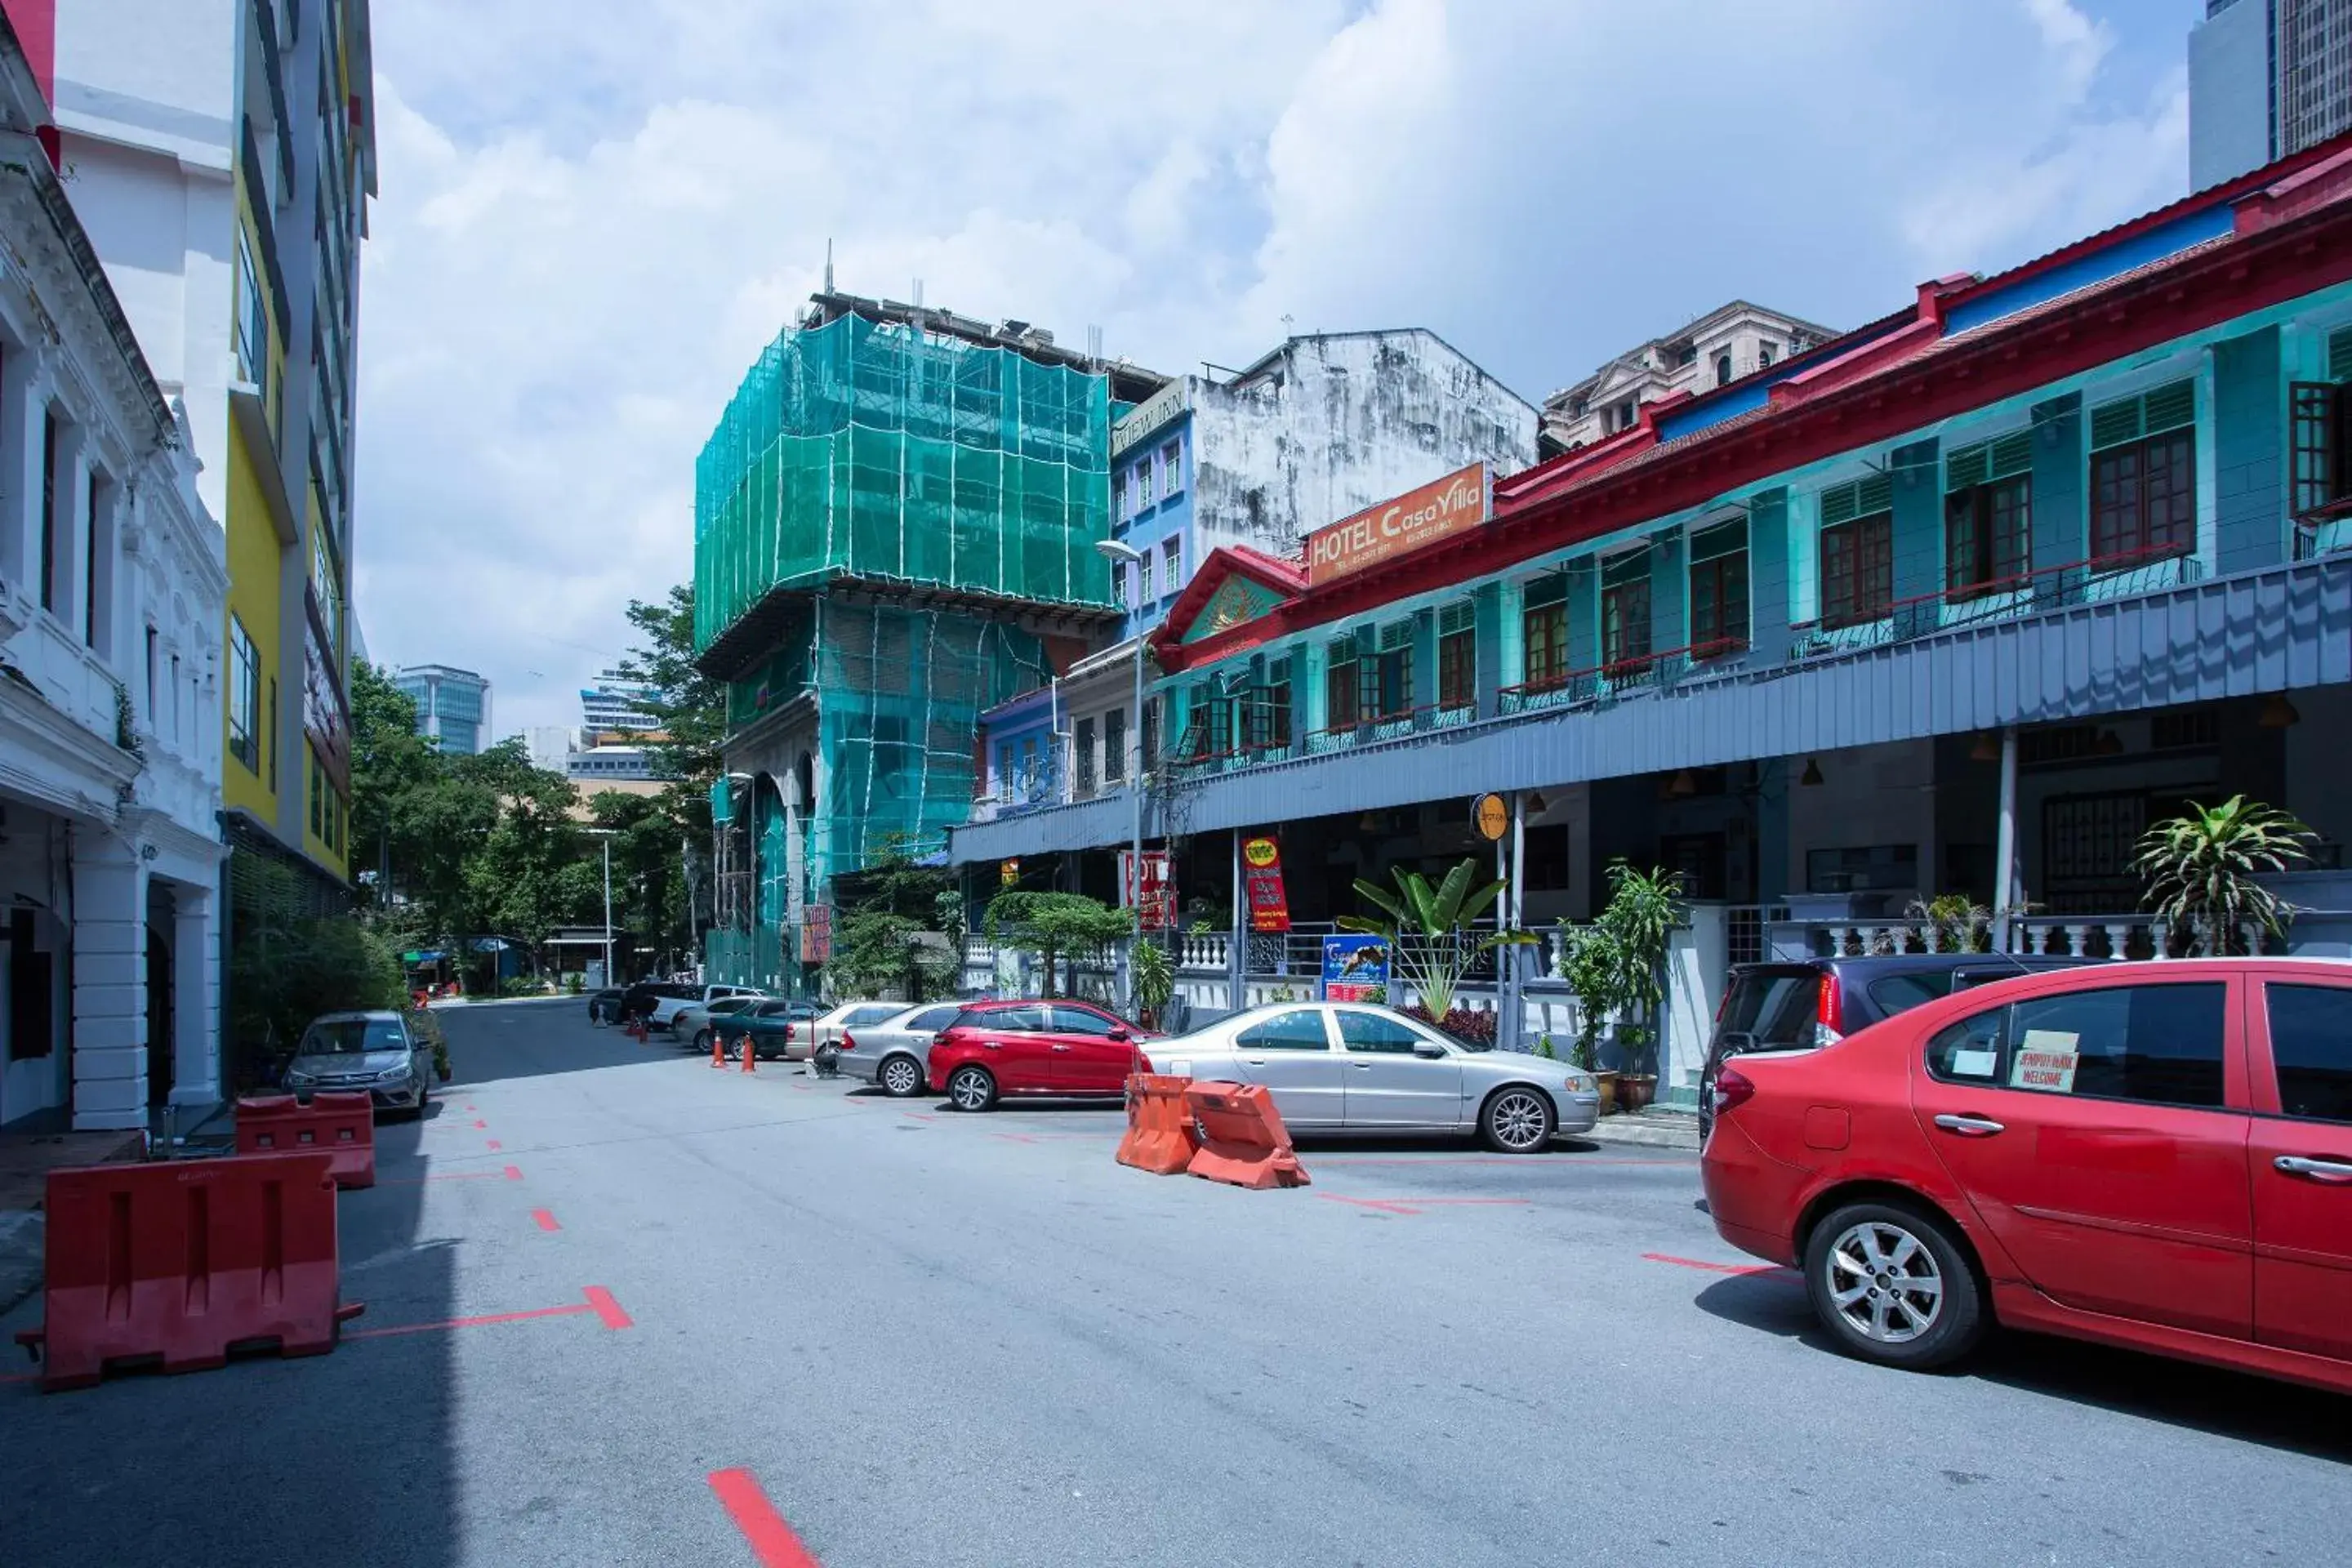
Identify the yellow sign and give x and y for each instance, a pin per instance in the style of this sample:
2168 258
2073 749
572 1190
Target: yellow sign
1493 816
1260 853
1008 872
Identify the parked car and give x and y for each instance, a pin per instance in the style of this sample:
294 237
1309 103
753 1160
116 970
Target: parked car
2152 1155
1060 1048
694 1021
847 1015
670 999
376 1051
605 1006
1357 1068
778 1028
1795 1004
895 1052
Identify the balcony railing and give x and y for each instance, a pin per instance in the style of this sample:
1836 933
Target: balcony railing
2003 599
1604 683
2317 536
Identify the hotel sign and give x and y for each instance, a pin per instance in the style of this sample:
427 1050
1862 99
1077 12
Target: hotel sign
1151 414
1414 520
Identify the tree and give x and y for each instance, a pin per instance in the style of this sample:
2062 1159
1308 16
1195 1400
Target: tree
1053 925
883 936
1428 928
691 708
2200 868
391 763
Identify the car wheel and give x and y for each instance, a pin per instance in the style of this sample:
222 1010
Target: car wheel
900 1077
971 1089
1516 1121
1894 1287
702 1042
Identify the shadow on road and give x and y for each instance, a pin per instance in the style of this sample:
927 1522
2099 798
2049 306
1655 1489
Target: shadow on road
2157 1388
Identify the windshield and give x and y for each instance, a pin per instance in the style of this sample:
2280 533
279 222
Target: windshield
350 1037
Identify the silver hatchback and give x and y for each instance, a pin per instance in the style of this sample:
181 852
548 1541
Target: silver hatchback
1336 1067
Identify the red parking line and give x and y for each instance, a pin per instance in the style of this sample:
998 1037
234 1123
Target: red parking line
444 1177
1714 1268
481 1124
494 1143
514 1172
573 1310
600 1301
545 1219
1383 1204
764 1530
1014 1137
1519 1160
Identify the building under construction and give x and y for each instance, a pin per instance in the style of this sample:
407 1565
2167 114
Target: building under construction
894 524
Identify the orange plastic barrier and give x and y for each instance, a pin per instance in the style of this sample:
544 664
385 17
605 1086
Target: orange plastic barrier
1243 1139
1159 1129
180 1261
342 1125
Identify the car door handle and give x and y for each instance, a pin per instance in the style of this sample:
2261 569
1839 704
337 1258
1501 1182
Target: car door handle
1361 1067
1254 1061
988 1045
1971 1126
2335 1173
1061 1047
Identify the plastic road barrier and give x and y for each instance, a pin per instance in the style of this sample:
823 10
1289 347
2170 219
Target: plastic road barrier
342 1125
1159 1129
1243 1139
181 1261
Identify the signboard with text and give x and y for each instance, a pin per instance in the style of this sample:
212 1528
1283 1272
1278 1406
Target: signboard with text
816 934
1414 520
1156 906
1354 967
1269 905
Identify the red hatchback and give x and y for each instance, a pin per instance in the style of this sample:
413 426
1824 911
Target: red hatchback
1056 1048
2155 1155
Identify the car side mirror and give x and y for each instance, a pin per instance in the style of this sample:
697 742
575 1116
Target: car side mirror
1429 1048
1122 1035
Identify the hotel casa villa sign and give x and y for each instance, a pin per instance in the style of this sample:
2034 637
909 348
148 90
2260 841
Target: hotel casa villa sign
1411 521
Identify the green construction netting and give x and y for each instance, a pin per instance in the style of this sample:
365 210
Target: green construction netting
869 449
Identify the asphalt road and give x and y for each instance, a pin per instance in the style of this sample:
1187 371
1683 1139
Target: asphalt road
926 1339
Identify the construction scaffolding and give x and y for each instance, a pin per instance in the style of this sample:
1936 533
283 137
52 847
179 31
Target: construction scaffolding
874 449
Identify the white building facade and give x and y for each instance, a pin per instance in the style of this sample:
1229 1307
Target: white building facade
1727 343
113 583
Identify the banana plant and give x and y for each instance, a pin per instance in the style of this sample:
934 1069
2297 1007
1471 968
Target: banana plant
1428 928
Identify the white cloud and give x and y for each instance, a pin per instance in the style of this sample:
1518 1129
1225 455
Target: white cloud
595 212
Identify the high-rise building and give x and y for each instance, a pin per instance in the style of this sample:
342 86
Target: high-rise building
614 704
223 155
452 706
2266 80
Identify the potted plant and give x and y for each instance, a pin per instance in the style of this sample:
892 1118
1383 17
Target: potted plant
2201 869
1428 929
1581 1055
1589 963
1154 981
1645 907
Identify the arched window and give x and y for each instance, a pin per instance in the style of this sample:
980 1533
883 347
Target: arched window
1723 370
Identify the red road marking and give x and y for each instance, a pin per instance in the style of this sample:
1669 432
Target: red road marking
1519 1160
1410 1206
1014 1137
599 1303
916 1115
481 1124
764 1530
545 1218
1379 1204
447 1176
514 1172
608 1309
494 1143
1714 1268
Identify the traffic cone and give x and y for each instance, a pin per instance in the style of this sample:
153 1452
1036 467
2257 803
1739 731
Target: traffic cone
749 1052
717 1050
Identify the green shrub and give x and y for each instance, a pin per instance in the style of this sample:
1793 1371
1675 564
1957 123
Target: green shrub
284 974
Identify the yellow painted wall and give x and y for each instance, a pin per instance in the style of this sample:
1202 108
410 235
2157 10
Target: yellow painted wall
334 854
255 563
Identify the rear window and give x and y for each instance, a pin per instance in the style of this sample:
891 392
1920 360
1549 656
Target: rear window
873 1015
1769 1010
1900 993
935 1018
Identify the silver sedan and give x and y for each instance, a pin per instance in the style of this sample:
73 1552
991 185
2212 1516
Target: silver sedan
896 1052
1334 1067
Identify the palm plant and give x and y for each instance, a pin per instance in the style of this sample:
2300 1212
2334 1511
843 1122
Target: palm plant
1154 981
1428 928
2200 868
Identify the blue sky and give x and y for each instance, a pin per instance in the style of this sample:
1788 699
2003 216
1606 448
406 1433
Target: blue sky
595 212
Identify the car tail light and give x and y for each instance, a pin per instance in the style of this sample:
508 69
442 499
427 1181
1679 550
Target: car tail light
1732 1088
1829 1011
848 1041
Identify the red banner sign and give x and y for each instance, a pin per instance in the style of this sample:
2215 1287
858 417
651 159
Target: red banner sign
816 934
1269 905
1156 906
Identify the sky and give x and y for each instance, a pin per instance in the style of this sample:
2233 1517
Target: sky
593 213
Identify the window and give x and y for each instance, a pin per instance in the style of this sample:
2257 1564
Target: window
52 567
1013 1021
1371 1034
244 694
1300 1029
933 1021
150 678
2154 1045
270 722
1763 355
317 799
2311 1046
251 325
1625 613
1457 656
1171 467
1723 370
1143 594
94 574
1858 552
1171 565
1543 624
2322 447
1118 497
1083 743
1081 1021
1118 583
1150 731
1143 496
1688 357
1718 590
1989 515
1341 700
1391 685
2143 475
1114 745
1266 721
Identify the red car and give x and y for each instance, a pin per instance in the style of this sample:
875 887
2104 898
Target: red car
2153 1155
1056 1048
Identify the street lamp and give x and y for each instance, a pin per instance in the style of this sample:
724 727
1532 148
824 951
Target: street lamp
1123 554
607 834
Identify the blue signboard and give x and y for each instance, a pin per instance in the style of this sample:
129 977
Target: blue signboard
1354 967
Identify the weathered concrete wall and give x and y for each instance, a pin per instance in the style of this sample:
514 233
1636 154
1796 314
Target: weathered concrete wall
1334 424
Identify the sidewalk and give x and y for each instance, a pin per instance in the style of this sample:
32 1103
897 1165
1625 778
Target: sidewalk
25 1161
1654 1128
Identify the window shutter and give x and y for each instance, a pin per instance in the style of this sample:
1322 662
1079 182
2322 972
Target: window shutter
1396 635
1368 642
1875 495
2113 423
1456 617
2339 354
1546 591
1968 466
1633 566
2170 407
2160 409
1723 539
1837 505
2012 454
1342 650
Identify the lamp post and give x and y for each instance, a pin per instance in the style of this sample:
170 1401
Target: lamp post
606 834
1123 554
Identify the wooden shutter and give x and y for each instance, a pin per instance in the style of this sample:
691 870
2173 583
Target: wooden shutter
2162 408
1843 503
2339 354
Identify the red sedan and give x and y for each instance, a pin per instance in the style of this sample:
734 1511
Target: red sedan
1050 1049
2153 1155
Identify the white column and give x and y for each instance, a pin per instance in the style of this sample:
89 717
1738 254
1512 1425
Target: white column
195 996
24 393
110 983
2004 855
